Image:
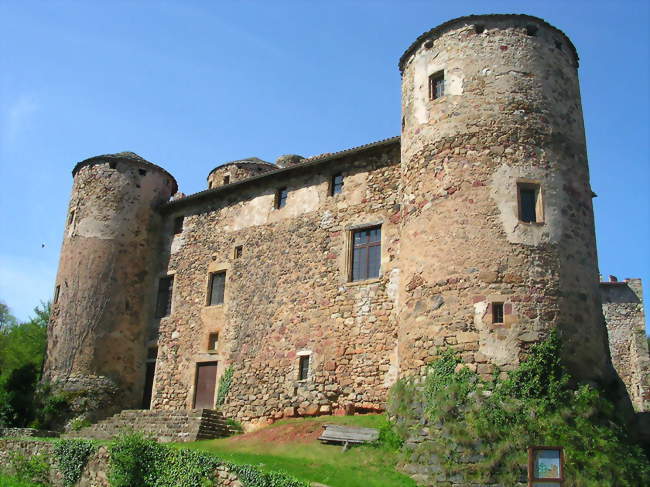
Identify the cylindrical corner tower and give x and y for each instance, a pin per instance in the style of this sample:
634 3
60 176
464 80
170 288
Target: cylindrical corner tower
234 171
498 243
97 332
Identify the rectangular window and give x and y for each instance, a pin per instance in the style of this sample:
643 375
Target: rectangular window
497 312
71 217
217 288
336 184
530 203
281 198
178 225
366 253
165 290
303 368
213 340
239 250
437 85
57 290
226 179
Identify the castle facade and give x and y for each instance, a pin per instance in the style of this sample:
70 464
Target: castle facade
311 285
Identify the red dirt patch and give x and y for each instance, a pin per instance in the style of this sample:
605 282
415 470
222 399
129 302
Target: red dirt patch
304 432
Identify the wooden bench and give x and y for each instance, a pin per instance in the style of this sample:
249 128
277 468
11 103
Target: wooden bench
347 435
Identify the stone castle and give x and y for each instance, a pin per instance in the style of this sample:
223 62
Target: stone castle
309 286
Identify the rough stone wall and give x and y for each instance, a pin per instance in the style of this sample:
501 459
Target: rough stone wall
623 310
96 334
287 294
510 114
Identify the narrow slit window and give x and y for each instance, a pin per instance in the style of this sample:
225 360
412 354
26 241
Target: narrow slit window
303 368
239 250
165 291
57 290
178 225
497 312
213 341
226 179
217 288
530 203
71 217
336 184
437 85
210 185
366 254
281 198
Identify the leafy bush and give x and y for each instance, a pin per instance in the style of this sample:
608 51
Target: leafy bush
137 461
71 456
34 469
493 423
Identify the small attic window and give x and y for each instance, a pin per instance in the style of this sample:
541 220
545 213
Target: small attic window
531 30
479 29
142 172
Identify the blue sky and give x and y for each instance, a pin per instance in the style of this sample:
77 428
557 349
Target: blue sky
189 85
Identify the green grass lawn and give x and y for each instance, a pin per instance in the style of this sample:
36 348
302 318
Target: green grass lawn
272 449
6 481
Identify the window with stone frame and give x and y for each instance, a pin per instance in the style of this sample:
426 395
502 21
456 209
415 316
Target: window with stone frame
165 292
217 288
303 367
529 198
497 312
213 341
366 254
437 85
281 198
336 184
178 224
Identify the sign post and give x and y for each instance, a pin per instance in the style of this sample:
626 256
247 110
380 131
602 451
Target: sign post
545 466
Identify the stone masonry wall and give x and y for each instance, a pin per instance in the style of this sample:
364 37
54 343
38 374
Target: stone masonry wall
623 310
288 294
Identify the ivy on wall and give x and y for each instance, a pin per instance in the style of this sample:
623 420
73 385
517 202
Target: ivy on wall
71 456
224 385
481 430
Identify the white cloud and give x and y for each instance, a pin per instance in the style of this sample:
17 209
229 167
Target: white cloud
24 283
16 117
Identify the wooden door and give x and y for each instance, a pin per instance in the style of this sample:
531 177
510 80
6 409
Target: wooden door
206 381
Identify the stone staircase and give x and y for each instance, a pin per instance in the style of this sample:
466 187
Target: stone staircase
165 426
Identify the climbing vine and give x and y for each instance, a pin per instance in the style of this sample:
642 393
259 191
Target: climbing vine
224 385
481 429
72 456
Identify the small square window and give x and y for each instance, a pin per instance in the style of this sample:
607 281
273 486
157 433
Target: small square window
57 290
336 184
366 254
281 198
239 250
303 367
112 165
142 172
178 225
217 288
165 291
213 341
71 217
437 85
497 312
530 203
226 179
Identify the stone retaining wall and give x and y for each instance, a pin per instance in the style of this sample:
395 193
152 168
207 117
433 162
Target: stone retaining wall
95 473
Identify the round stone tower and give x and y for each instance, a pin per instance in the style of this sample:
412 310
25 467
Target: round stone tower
97 332
498 244
234 171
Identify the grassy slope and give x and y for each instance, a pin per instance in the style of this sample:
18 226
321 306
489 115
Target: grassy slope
306 458
13 482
